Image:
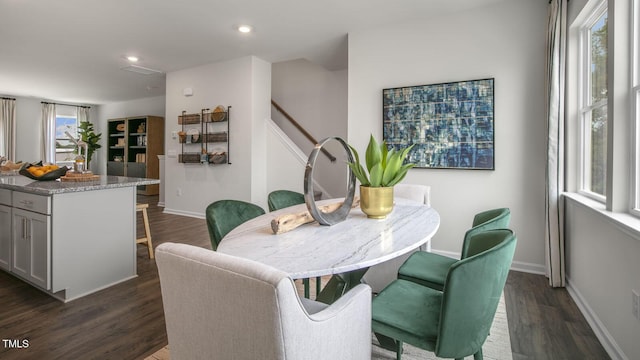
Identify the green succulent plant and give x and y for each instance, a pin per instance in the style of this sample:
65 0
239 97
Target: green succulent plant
385 167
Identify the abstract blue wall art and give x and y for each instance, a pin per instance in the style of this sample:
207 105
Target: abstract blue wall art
451 124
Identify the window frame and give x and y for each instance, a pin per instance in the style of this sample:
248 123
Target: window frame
634 94
585 106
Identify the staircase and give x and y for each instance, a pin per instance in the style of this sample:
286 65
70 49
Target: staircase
287 163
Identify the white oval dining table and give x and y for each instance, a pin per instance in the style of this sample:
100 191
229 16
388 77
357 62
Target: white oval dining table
346 249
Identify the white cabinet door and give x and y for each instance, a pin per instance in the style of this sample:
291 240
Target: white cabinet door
5 237
21 246
32 247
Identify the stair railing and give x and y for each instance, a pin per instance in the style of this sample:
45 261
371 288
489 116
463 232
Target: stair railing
302 130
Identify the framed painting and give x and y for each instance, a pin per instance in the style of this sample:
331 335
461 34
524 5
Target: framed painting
450 124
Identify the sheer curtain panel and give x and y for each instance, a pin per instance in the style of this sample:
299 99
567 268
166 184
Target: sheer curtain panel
48 133
83 114
556 59
8 128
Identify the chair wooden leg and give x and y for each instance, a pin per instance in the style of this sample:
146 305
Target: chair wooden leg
147 230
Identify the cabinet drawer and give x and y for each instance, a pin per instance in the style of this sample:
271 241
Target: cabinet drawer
5 197
31 202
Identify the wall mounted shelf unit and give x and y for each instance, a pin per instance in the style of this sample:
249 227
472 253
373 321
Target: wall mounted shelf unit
204 137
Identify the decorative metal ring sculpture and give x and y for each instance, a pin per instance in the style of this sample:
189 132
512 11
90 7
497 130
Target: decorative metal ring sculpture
334 217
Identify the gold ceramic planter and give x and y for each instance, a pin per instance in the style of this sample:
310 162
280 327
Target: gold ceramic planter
376 202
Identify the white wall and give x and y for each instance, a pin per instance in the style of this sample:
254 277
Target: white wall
286 162
317 99
154 106
505 41
602 269
260 111
244 85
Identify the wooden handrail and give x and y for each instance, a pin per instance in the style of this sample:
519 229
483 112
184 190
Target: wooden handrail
301 129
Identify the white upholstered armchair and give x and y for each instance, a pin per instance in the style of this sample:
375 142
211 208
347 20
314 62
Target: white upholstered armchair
221 307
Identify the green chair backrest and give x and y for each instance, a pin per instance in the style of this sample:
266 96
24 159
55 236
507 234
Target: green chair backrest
225 215
486 220
280 199
471 294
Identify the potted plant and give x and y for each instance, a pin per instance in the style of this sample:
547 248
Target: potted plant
86 134
384 169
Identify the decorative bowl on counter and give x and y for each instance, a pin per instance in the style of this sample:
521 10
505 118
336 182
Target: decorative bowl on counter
48 172
9 167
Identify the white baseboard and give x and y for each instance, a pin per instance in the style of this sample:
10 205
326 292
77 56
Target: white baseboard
601 332
451 254
160 203
184 213
528 267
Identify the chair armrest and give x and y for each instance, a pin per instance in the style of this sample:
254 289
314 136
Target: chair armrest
344 327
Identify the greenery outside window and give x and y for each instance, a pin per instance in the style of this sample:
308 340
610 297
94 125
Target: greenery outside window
593 106
64 146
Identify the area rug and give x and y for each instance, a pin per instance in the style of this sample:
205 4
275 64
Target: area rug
497 346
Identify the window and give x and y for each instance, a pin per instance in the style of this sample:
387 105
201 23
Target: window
64 146
593 105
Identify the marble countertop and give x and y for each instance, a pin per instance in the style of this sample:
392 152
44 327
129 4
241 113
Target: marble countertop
25 184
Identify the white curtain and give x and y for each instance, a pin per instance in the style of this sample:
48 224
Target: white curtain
8 128
554 237
48 144
83 114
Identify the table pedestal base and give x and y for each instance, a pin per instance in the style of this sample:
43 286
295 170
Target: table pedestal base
339 284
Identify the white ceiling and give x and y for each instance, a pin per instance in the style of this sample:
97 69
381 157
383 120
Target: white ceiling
72 50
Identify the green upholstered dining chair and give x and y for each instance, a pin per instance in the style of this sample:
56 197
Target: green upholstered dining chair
225 215
455 322
431 269
280 199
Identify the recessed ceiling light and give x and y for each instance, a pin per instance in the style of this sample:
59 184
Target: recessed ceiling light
132 58
245 29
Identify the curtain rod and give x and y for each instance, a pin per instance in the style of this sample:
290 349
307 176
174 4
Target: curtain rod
6 98
80 106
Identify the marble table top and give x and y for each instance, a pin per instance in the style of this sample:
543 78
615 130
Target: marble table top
25 184
316 250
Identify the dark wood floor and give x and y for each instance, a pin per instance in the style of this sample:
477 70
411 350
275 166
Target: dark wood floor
126 321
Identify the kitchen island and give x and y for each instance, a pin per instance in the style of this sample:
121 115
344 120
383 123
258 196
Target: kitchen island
69 239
